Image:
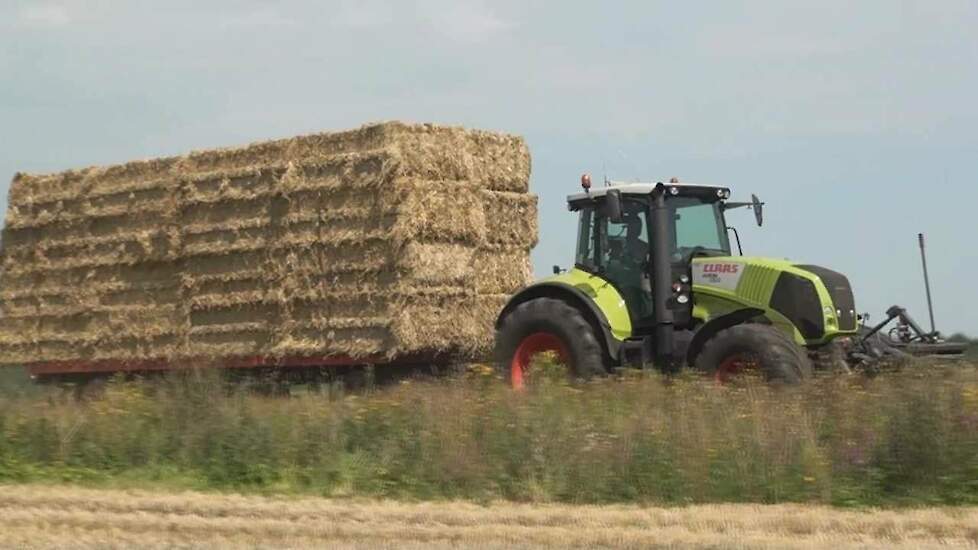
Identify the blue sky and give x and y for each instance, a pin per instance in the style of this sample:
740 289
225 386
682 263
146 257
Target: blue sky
855 121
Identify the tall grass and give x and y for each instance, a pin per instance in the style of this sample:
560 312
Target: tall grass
901 438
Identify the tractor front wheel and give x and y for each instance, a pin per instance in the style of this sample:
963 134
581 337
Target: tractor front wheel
547 325
761 350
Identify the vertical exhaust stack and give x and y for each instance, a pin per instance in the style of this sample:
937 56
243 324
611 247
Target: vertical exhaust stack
662 274
923 261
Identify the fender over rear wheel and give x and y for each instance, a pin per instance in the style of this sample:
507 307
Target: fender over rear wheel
547 325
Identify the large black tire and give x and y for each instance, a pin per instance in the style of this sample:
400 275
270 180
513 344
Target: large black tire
772 352
830 357
585 356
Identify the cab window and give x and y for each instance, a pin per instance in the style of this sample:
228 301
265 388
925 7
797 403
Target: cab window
601 243
619 252
699 224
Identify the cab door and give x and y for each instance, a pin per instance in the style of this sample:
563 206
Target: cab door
619 253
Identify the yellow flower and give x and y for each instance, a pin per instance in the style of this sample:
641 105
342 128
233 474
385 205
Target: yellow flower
970 395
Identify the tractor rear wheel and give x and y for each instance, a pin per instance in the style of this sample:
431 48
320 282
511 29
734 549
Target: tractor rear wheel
547 325
757 349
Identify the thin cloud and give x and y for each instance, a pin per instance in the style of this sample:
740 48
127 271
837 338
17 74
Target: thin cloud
363 15
45 15
746 43
463 22
466 21
262 17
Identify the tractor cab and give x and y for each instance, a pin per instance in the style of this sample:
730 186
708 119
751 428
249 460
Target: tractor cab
614 241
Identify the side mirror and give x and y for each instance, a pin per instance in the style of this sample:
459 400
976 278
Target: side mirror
612 206
758 207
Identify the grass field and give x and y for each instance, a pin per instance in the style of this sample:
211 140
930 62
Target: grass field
59 517
907 438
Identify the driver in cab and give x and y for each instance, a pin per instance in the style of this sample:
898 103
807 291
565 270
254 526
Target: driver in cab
628 259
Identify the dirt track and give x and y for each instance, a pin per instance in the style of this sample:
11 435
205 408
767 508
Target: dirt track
56 517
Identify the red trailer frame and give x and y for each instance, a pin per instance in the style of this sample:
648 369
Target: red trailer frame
106 366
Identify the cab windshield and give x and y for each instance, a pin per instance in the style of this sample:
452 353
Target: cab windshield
699 228
699 223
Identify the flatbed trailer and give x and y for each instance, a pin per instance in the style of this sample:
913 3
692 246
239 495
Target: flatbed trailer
384 245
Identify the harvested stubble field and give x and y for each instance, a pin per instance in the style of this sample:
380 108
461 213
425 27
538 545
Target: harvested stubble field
34 516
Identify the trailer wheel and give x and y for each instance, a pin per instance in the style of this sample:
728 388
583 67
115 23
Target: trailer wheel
762 350
547 325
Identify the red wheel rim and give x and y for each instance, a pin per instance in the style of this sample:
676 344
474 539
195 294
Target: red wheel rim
538 342
733 366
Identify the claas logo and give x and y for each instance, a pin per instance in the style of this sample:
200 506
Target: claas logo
721 268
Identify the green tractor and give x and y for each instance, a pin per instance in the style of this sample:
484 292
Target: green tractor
655 282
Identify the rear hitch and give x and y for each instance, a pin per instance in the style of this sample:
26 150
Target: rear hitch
907 336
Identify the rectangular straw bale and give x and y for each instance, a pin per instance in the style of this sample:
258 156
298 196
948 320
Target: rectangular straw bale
168 345
130 176
21 307
242 338
490 160
15 353
501 270
425 326
317 312
405 209
104 326
437 264
328 258
146 276
225 241
249 183
353 342
389 239
511 219
426 151
38 199
26 190
440 211
59 350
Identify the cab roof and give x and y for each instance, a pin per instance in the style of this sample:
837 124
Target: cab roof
645 189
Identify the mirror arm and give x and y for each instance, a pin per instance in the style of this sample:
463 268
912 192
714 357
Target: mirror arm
737 237
756 205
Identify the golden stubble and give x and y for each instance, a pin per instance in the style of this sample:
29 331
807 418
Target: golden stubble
69 517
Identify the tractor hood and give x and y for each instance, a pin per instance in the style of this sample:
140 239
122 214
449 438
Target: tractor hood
726 272
816 300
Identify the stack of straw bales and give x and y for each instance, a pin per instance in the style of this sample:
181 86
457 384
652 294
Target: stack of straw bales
393 239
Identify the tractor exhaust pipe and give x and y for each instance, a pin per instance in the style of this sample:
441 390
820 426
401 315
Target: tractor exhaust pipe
923 261
662 277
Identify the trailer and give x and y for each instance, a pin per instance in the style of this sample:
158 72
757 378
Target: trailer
390 244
